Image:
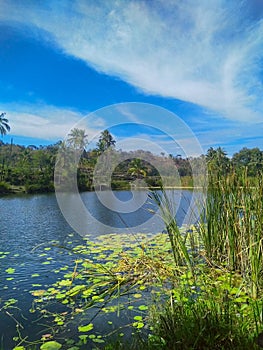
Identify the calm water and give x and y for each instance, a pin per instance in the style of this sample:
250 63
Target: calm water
30 223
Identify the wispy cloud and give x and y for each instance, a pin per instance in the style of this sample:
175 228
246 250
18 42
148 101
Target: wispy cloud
48 122
152 143
206 53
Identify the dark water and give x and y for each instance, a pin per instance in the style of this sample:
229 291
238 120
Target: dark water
30 223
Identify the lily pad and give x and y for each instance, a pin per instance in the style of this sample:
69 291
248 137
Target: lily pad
138 318
10 270
51 345
143 307
137 295
35 275
86 328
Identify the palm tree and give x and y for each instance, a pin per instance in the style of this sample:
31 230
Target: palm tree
4 126
78 139
105 141
217 159
137 168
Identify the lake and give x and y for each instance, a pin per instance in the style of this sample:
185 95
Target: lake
29 223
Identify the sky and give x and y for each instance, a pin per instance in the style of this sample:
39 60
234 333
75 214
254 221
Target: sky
182 75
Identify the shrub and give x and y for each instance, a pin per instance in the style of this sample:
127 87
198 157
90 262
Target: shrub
4 188
203 325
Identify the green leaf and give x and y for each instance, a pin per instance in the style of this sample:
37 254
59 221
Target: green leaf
38 293
60 296
10 270
240 300
143 307
19 348
140 325
65 283
86 328
50 345
83 338
98 340
137 318
35 275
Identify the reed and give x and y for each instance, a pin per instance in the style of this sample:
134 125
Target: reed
228 233
177 240
231 226
216 303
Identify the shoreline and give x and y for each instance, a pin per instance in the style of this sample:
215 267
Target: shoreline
21 189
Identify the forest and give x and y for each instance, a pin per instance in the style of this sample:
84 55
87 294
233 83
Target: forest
30 169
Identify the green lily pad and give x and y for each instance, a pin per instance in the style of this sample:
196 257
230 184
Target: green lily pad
35 275
10 270
138 325
143 307
65 282
86 328
50 345
138 318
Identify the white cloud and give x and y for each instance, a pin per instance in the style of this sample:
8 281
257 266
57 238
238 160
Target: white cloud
48 122
206 53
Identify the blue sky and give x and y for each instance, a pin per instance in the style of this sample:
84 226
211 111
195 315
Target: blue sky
62 61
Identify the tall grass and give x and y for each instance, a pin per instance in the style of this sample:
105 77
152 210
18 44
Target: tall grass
203 325
219 304
231 228
177 240
229 232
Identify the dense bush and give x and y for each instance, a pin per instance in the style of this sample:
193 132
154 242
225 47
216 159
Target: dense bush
4 188
39 188
120 185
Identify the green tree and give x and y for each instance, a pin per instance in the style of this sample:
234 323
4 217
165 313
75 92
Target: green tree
137 168
77 139
252 159
105 141
217 160
4 126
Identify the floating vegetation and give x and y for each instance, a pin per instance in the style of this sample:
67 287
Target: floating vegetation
110 276
10 270
164 289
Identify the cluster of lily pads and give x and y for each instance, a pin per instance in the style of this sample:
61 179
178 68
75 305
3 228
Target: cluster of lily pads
117 286
104 294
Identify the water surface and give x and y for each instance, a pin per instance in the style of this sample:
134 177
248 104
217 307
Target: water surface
29 225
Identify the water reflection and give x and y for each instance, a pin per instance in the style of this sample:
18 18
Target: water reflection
30 221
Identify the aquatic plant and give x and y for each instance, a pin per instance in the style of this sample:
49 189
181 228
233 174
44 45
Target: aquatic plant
176 288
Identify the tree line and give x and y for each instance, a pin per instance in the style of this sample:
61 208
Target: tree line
31 169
